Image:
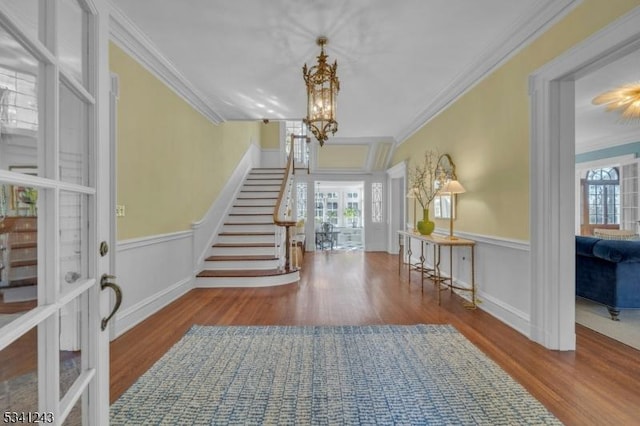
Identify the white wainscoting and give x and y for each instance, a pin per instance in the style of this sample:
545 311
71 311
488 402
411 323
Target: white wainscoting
152 272
502 275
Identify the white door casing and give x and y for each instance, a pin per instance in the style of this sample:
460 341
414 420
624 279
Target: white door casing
552 191
68 42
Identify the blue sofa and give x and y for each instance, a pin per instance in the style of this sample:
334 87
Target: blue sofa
608 272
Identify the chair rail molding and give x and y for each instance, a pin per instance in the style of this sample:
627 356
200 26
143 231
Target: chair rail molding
552 169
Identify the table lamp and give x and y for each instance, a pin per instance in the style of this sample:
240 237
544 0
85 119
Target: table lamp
451 188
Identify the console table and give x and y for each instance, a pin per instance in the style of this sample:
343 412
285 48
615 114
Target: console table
442 282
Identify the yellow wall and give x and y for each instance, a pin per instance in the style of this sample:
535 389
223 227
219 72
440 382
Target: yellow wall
342 156
270 135
486 131
172 162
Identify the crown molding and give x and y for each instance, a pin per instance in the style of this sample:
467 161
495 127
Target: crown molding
131 39
522 33
608 141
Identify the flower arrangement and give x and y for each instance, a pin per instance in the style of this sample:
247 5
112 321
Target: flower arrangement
422 179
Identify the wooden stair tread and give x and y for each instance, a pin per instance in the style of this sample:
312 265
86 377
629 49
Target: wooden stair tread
249 223
250 214
256 198
19 263
240 257
240 245
257 205
21 282
23 245
247 273
260 184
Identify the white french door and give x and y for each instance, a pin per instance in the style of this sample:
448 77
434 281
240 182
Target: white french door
630 196
54 211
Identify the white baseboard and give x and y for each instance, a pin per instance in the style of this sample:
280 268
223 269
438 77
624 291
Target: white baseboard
509 315
134 315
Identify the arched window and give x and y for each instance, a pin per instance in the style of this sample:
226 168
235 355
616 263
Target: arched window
602 195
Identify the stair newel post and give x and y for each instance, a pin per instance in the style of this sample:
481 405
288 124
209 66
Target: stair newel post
287 262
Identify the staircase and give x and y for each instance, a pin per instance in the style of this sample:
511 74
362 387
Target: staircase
244 253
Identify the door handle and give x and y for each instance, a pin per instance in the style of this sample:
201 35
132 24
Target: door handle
104 283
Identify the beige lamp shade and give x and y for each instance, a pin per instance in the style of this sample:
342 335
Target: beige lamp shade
452 187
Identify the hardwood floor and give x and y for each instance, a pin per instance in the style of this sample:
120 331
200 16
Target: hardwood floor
598 384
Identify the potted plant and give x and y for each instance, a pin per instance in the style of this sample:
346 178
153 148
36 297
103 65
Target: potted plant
422 178
351 213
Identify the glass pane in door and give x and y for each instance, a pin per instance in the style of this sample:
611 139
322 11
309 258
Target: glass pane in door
72 38
73 239
18 261
75 415
19 374
74 150
27 12
70 343
19 79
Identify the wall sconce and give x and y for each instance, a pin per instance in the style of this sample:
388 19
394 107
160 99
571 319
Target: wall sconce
448 184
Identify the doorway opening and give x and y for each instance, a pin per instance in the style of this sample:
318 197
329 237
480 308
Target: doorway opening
338 215
607 204
552 178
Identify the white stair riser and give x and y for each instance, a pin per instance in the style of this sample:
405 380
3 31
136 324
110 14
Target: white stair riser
225 265
255 202
271 174
247 227
217 282
261 218
270 181
238 251
260 188
252 210
256 194
243 239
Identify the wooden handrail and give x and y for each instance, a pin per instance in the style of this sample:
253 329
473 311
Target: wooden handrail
290 170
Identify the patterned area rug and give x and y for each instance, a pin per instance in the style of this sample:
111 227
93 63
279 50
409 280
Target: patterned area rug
423 374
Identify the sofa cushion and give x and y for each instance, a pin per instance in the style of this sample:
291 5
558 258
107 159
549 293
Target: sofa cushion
584 245
617 251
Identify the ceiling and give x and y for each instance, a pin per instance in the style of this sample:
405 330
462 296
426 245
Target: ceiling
597 128
399 62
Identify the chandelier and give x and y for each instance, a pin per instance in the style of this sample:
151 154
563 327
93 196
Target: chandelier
625 99
322 89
